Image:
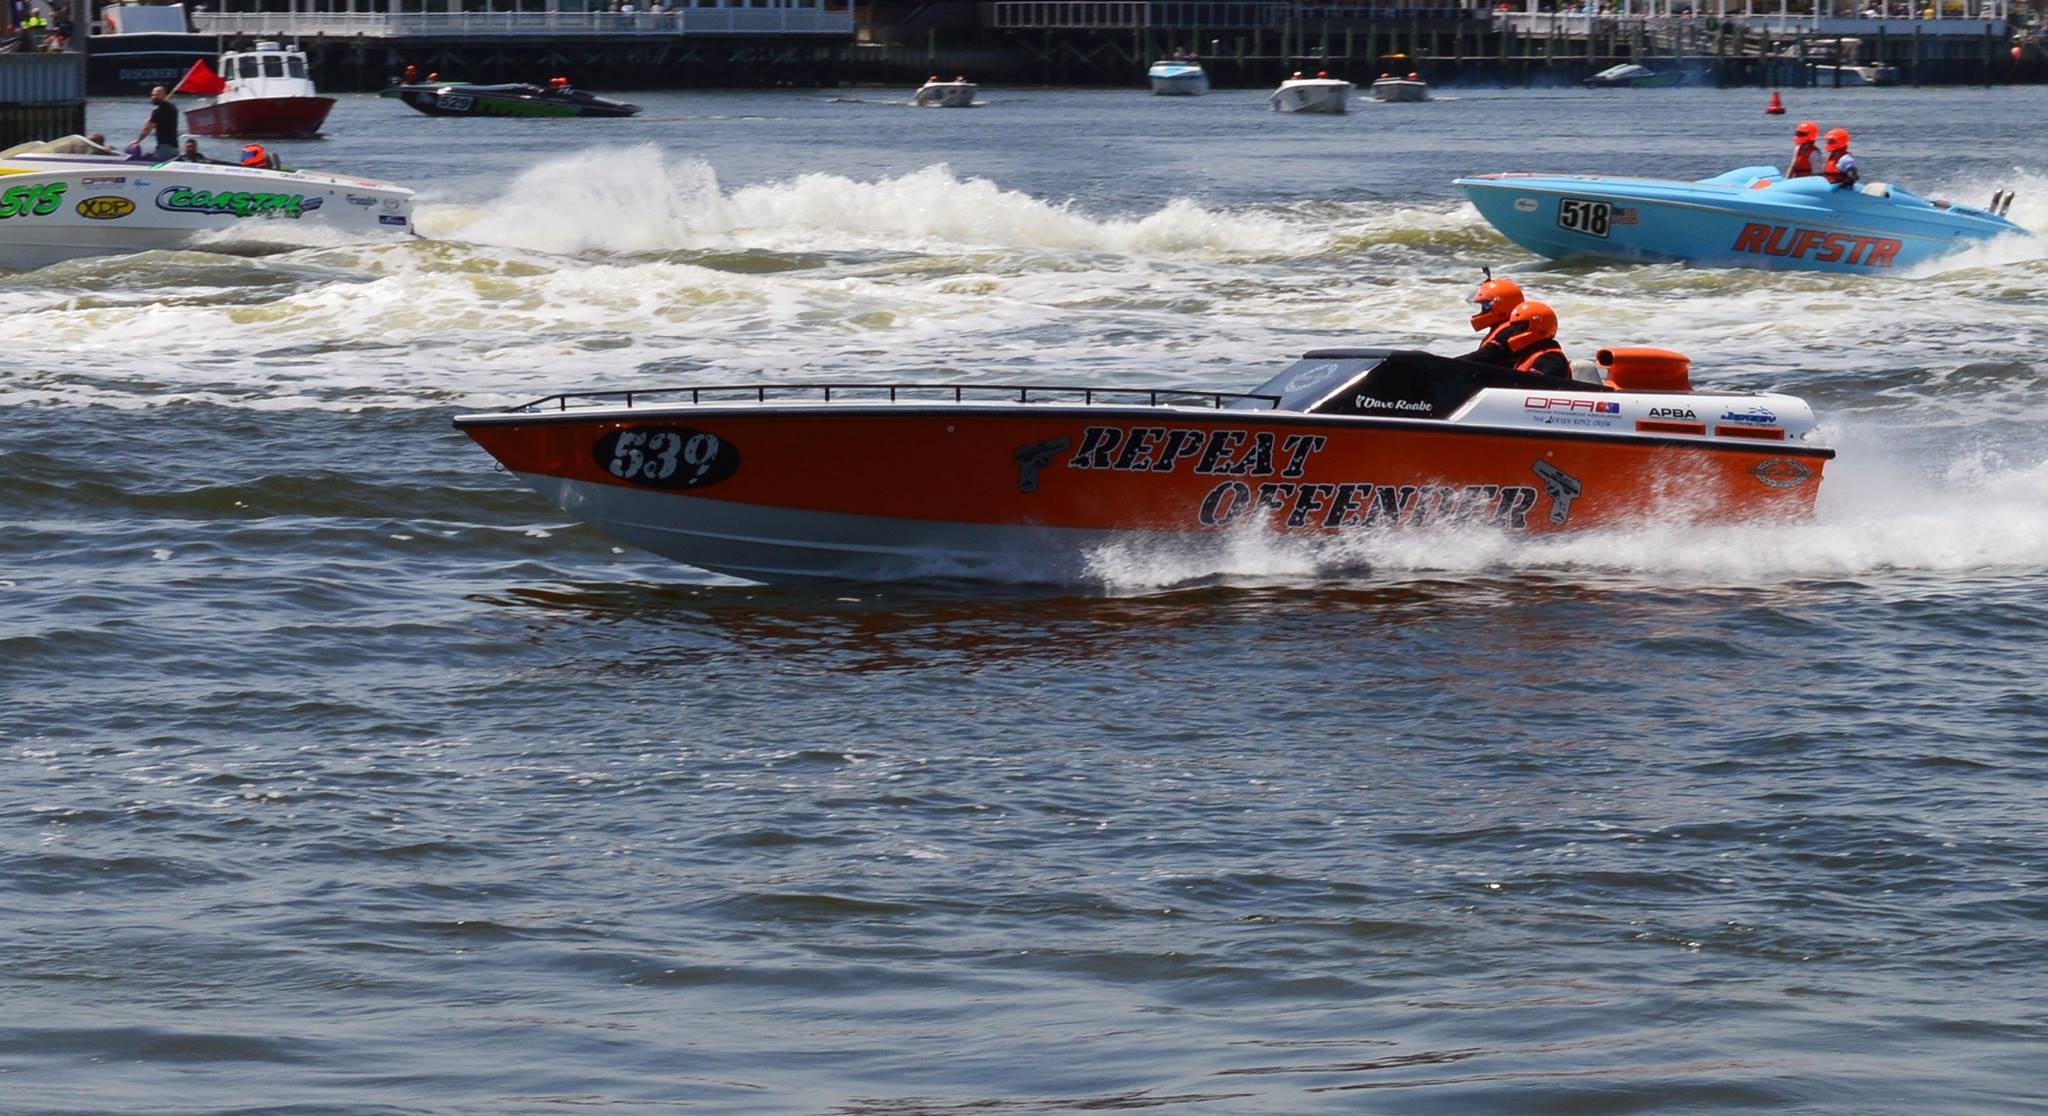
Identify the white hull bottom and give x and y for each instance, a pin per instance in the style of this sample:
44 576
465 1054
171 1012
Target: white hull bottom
1180 87
784 544
946 95
28 248
1398 91
1328 98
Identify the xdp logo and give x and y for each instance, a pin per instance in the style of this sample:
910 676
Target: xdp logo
106 207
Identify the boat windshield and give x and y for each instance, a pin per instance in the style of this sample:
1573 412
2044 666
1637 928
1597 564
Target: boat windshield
1395 383
66 145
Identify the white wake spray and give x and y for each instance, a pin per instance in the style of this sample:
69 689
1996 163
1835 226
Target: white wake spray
646 201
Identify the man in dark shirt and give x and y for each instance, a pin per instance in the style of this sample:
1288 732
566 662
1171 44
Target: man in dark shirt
163 120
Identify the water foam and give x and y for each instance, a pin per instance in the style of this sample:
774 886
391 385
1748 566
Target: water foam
637 200
1973 511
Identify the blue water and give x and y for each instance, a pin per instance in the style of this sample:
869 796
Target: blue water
348 776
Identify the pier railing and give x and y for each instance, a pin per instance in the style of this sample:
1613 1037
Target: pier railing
385 25
1582 25
1114 15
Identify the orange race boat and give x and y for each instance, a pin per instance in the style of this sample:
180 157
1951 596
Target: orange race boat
785 482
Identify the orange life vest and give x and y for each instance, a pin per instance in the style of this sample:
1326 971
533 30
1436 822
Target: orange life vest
1557 365
1802 161
1834 171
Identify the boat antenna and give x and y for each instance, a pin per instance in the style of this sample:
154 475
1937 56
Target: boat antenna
1486 271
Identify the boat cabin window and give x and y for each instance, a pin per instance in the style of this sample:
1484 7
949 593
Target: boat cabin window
245 66
296 66
273 66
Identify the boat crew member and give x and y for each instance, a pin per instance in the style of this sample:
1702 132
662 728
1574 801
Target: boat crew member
1841 166
412 74
1496 299
1806 159
253 155
192 154
163 120
1533 340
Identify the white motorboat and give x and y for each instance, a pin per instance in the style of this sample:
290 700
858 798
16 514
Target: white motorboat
67 198
1628 75
1400 89
1321 93
958 93
1846 76
1838 62
264 93
1178 78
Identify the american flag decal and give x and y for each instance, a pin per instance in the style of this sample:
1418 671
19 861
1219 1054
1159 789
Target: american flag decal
1623 215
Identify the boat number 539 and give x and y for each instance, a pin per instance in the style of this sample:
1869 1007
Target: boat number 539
666 456
1578 215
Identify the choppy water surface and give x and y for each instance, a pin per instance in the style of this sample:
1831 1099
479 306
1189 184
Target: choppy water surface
346 776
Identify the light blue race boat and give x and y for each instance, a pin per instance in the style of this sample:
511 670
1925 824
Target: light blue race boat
1176 78
1752 217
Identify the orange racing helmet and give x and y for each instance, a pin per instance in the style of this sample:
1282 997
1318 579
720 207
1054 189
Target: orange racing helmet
1806 132
1538 322
1837 140
253 155
1496 299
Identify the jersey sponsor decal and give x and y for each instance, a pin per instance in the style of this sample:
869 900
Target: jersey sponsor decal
1821 247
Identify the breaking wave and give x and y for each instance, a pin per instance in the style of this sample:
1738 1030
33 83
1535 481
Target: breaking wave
637 200
1978 511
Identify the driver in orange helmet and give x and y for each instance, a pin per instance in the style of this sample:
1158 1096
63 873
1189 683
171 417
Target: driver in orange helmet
1495 299
1806 157
1532 337
1841 166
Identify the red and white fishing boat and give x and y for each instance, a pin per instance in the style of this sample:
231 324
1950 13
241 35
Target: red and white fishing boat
789 482
265 93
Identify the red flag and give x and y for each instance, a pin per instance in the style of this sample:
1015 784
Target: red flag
201 79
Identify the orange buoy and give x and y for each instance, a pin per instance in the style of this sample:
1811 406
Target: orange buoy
1776 107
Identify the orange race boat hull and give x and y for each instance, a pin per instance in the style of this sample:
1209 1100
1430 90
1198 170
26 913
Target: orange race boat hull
902 490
